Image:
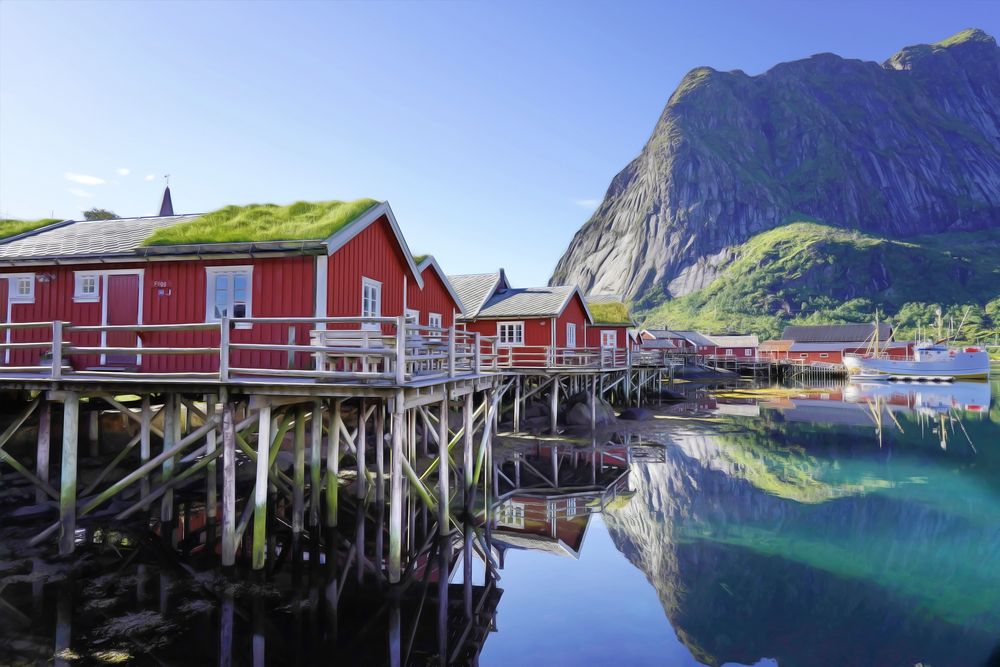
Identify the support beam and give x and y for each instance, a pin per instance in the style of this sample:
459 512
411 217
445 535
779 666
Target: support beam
67 496
228 484
554 406
145 419
259 555
94 430
44 442
467 412
171 426
444 496
396 490
211 472
361 444
299 474
333 463
315 460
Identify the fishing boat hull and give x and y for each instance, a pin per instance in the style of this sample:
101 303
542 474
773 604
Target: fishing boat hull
959 365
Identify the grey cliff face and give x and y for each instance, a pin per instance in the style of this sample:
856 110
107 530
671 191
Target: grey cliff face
908 147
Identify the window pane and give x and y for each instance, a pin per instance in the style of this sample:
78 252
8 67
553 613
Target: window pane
240 287
240 310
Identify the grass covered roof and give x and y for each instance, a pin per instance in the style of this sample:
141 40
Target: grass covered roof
610 312
264 222
10 227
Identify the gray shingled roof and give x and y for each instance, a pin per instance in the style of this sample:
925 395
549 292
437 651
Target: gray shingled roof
85 238
695 338
835 333
727 340
473 289
527 302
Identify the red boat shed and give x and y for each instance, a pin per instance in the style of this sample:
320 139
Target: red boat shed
100 272
436 304
534 327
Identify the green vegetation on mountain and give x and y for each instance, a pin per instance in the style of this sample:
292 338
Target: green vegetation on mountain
11 227
264 222
810 273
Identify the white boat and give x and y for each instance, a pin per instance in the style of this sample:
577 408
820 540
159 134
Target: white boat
931 361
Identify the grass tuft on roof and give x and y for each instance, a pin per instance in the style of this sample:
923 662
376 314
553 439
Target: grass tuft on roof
264 222
610 312
11 227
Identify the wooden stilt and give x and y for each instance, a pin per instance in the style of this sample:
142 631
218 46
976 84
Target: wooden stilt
517 404
333 463
315 461
299 474
93 431
44 442
228 484
67 479
259 554
467 445
396 489
211 471
593 402
554 406
444 504
145 417
362 444
171 424
380 452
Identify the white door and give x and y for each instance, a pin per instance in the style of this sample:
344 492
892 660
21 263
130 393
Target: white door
371 301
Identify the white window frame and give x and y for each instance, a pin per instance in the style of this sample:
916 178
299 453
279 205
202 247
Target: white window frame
13 292
748 351
519 326
435 320
729 352
81 296
604 335
412 316
570 334
368 283
211 272
824 355
511 515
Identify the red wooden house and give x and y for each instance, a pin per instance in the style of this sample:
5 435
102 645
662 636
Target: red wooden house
100 273
435 304
827 344
532 327
613 326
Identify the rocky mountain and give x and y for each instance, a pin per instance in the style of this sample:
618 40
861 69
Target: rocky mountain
909 147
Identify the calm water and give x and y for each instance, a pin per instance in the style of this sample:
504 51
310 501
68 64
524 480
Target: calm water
853 525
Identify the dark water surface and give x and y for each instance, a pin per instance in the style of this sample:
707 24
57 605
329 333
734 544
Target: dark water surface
850 525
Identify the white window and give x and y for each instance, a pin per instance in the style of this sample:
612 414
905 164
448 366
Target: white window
609 339
434 320
510 333
230 293
823 355
371 301
748 352
511 515
803 356
729 352
22 288
412 316
570 508
86 287
570 334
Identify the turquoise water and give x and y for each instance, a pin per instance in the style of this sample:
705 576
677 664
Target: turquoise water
831 526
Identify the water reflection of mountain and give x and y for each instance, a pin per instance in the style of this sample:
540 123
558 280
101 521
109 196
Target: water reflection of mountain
867 578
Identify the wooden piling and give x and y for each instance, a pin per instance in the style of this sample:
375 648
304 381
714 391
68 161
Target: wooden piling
554 405
171 424
315 461
396 489
93 431
44 442
211 471
333 463
259 550
67 479
299 473
467 445
228 485
145 418
361 444
444 505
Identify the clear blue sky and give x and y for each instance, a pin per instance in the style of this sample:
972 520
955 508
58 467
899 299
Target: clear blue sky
493 129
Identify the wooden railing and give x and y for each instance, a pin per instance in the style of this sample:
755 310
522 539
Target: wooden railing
330 349
545 356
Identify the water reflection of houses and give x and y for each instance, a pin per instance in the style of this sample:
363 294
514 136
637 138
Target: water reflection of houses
547 492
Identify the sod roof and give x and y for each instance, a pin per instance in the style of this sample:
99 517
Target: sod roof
609 312
10 227
264 222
